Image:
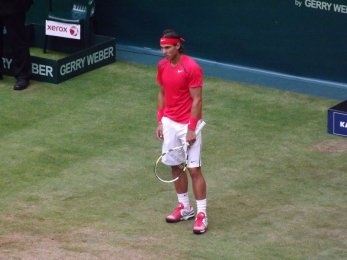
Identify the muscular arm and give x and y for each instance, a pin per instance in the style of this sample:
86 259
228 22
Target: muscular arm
161 104
196 94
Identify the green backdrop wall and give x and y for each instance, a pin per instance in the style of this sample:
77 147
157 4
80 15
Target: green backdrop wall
298 37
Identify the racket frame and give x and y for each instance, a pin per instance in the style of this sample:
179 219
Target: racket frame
184 165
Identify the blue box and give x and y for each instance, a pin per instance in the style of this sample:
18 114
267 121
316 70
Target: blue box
337 119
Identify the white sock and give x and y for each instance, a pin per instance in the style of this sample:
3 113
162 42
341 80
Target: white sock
201 205
184 199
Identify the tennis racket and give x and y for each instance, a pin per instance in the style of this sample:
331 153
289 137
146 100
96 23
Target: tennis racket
176 156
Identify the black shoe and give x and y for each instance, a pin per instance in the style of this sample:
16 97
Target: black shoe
21 84
1 77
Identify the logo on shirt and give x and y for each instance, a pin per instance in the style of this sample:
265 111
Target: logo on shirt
180 71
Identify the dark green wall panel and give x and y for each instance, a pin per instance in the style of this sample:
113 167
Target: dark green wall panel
275 35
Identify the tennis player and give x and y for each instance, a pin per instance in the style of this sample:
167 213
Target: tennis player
179 112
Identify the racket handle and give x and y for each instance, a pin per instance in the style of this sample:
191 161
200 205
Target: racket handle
200 127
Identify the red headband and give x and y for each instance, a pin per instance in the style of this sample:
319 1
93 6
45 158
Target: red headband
170 41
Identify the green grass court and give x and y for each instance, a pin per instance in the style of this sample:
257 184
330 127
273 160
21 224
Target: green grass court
76 179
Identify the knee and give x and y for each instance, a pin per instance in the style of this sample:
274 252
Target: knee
195 172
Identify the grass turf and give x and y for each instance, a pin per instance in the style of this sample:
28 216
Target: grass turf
76 175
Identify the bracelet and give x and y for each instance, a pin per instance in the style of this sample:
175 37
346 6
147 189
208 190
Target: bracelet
192 123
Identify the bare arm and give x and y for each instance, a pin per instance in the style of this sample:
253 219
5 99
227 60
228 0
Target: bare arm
161 104
196 94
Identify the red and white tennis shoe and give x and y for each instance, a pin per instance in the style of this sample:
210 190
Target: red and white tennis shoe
200 225
180 213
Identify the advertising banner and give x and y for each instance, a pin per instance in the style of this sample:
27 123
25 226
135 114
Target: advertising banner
65 30
337 119
101 53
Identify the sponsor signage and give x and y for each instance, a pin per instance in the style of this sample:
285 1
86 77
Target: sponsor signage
56 71
337 119
65 30
322 6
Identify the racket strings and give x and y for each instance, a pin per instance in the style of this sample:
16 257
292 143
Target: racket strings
173 158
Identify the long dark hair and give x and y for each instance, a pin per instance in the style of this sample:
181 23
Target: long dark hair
169 33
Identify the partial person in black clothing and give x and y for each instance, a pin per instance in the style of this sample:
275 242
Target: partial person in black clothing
12 16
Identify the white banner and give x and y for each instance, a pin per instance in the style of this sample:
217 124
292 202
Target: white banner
65 30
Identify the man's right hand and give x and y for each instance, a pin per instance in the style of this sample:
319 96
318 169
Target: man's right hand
159 132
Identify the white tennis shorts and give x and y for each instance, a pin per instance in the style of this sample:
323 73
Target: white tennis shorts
175 135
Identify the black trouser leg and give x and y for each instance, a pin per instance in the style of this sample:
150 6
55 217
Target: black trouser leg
15 25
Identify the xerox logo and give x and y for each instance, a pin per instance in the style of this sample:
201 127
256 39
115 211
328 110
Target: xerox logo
64 30
56 28
74 30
